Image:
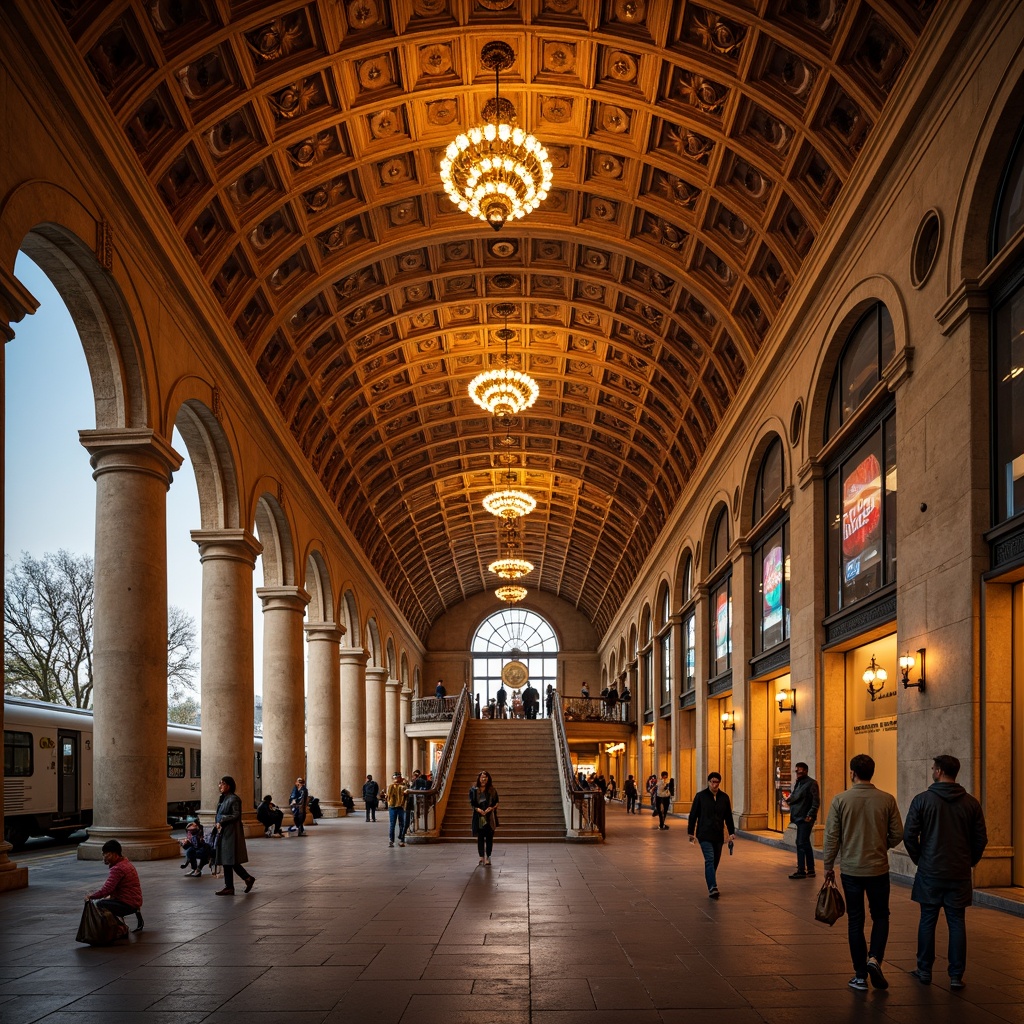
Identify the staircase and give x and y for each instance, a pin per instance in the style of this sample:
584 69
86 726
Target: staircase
520 755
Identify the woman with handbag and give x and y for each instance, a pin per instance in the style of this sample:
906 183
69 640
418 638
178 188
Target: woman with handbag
484 799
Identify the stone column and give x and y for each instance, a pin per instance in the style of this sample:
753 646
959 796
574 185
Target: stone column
376 724
132 469
15 303
324 729
284 697
404 717
228 558
353 720
393 712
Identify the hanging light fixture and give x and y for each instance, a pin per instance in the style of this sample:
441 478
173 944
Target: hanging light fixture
504 392
512 566
496 172
509 503
510 593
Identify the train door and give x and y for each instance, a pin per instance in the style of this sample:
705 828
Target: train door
68 767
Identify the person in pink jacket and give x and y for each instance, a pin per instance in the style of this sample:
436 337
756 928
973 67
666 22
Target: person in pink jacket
121 893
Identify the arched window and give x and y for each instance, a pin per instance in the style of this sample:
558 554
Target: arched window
771 554
688 631
665 645
861 475
513 634
1007 360
868 350
647 664
720 592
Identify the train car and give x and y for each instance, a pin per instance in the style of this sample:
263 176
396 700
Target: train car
48 770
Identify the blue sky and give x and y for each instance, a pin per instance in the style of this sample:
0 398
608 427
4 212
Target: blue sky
50 493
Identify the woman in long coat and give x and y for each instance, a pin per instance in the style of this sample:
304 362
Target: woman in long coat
484 798
231 852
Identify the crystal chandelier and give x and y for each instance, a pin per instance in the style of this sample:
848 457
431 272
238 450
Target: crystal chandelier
496 172
513 565
510 593
509 503
504 392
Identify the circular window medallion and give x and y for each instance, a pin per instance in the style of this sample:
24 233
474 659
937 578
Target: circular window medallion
515 674
926 248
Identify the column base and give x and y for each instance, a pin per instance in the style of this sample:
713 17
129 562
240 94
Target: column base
11 876
331 810
136 844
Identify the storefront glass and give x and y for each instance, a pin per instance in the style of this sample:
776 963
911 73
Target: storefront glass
871 725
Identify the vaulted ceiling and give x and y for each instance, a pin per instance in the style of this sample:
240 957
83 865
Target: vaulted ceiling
697 150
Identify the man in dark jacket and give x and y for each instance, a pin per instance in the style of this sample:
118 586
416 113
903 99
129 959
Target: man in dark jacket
710 813
945 837
804 801
531 698
371 791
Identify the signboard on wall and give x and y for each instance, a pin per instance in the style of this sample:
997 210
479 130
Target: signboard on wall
772 588
862 517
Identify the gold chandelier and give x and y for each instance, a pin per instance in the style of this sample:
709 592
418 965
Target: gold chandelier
496 172
510 593
513 566
504 392
509 503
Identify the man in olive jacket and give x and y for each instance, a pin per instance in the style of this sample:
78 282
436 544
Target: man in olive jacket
945 837
865 824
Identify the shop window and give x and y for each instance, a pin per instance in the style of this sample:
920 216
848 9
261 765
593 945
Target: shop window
720 592
647 661
688 629
665 643
1008 351
771 554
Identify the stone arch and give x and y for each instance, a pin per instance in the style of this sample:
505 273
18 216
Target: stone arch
318 585
610 670
664 588
276 536
349 608
646 625
417 685
623 663
772 430
372 643
389 654
403 670
856 303
51 226
212 454
634 645
717 506
968 251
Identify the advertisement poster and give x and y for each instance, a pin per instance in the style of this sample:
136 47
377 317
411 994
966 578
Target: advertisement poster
722 617
862 517
772 588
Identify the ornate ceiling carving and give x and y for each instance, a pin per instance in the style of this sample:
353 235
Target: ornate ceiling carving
697 148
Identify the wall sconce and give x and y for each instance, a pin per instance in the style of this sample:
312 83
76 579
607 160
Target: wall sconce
614 748
906 664
787 700
728 720
875 678
647 737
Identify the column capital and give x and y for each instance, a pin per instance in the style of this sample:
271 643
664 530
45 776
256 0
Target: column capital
231 545
292 599
394 684
327 631
130 449
377 672
16 302
354 656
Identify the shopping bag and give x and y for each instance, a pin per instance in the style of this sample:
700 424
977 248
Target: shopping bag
830 906
98 927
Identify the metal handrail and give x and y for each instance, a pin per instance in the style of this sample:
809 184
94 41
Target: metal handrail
584 808
434 709
428 804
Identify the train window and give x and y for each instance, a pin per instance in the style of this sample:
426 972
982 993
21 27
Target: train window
175 762
195 767
17 754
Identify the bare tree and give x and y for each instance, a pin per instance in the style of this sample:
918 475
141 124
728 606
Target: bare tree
48 633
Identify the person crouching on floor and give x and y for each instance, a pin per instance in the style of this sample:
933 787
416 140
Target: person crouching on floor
121 893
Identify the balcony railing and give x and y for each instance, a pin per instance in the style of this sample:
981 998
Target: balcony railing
584 808
434 709
594 709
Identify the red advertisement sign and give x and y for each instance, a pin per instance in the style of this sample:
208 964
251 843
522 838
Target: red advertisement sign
862 507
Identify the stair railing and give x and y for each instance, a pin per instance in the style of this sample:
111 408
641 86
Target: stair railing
428 805
584 808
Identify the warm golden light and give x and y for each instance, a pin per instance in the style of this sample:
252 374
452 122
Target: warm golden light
503 392
509 504
510 593
511 568
496 172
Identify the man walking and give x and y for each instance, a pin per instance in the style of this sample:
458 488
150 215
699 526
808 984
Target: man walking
531 698
629 789
298 800
804 801
864 822
662 798
371 793
502 696
396 809
710 814
945 837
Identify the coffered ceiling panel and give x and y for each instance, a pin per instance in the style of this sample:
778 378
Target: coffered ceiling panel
697 150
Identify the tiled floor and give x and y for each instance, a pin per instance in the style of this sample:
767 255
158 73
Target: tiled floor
341 928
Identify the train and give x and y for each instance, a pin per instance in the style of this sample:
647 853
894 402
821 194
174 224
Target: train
48 778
